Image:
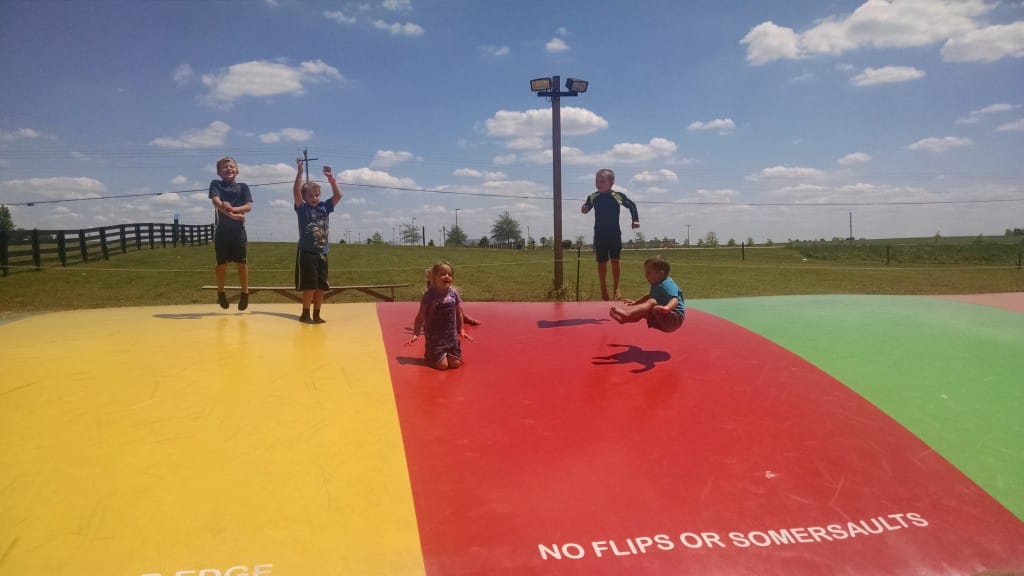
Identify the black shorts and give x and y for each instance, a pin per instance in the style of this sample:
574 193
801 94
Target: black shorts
230 245
311 271
607 245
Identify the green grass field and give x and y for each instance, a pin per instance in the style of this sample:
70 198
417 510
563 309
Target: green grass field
175 275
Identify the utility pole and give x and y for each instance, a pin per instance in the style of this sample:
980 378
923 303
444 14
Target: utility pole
851 228
306 160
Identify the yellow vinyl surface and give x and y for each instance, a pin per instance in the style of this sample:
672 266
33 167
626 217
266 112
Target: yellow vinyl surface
198 442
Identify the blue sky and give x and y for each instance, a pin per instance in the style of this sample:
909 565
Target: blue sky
761 120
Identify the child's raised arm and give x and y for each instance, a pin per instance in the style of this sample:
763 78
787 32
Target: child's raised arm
297 188
336 197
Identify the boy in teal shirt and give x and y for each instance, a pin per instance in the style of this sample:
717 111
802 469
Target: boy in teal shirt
663 307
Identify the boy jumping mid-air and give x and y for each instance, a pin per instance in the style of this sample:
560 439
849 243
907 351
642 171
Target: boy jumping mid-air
607 235
663 307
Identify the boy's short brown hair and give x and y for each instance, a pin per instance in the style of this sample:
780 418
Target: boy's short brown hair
658 264
226 160
308 186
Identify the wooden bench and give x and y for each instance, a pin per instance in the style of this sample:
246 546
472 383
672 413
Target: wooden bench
290 292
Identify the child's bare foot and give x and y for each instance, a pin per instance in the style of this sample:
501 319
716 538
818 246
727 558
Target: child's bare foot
604 294
618 295
617 314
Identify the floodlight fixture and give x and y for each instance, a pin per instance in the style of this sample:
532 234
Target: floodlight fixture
540 84
576 85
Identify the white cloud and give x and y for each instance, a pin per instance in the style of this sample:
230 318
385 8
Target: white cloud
718 195
787 173
279 203
768 42
471 173
19 134
986 44
941 144
183 74
287 134
532 128
398 28
858 192
875 24
397 5
496 51
276 172
209 137
886 75
170 198
653 177
375 178
260 78
318 71
389 158
339 17
854 158
1015 126
722 125
975 116
623 153
178 180
60 188
556 45
630 153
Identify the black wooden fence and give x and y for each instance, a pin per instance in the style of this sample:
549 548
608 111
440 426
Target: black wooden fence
33 249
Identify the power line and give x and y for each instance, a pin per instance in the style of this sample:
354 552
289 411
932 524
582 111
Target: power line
117 196
548 197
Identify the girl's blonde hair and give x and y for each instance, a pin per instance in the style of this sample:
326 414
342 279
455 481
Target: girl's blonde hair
433 270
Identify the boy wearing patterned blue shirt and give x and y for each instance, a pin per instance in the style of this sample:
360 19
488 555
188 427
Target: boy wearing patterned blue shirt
663 307
311 257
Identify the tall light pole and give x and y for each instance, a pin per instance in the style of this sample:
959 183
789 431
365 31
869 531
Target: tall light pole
414 230
687 235
549 88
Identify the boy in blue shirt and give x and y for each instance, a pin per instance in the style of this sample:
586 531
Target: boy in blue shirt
231 201
663 306
607 235
311 258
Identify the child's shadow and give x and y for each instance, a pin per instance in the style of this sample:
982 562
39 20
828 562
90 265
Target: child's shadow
569 322
411 361
633 354
201 315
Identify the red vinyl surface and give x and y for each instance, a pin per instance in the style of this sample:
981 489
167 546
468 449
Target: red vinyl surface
568 444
